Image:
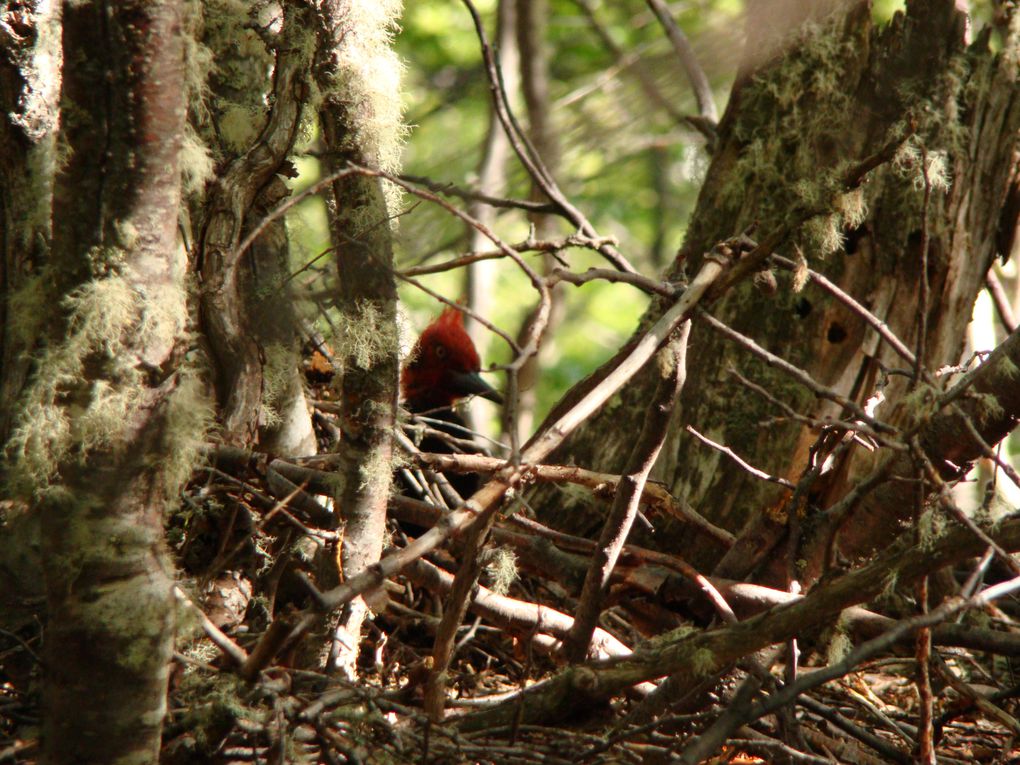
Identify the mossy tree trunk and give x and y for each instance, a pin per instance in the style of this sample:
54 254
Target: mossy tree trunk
108 424
248 317
360 118
808 105
29 90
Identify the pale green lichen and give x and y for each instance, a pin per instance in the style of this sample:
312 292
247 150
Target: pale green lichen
931 528
501 567
919 404
366 79
190 415
368 336
68 409
986 405
277 374
198 166
27 307
703 663
840 643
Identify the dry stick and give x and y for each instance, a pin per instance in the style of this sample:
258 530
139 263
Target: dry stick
880 745
795 372
450 190
541 314
867 650
985 705
740 461
812 422
873 321
734 715
703 746
926 698
230 649
696 75
510 613
527 154
283 207
1001 301
550 246
945 499
987 451
693 655
645 80
672 362
422 514
655 495
644 283
486 500
454 608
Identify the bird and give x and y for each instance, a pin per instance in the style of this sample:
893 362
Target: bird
444 368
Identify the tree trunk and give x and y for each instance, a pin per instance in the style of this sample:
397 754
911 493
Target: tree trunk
361 124
108 403
244 310
803 110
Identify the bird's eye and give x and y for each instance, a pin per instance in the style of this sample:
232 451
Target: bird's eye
440 351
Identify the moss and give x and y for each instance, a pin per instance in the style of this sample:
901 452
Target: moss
197 164
90 382
931 527
501 567
986 406
190 415
919 404
229 68
703 663
277 375
790 157
839 644
28 307
365 78
369 336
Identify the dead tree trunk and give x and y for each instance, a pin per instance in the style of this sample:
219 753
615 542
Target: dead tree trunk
806 107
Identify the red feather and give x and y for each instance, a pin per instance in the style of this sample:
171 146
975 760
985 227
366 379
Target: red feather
443 366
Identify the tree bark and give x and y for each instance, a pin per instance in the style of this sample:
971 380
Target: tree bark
804 109
361 124
244 313
107 402
29 92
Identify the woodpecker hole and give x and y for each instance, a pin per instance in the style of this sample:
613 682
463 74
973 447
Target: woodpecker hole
802 308
836 333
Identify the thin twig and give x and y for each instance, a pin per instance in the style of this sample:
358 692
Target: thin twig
740 461
695 74
673 373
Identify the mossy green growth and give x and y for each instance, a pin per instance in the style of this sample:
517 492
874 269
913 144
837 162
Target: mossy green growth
277 375
190 415
369 336
839 644
365 79
794 116
501 568
90 382
231 69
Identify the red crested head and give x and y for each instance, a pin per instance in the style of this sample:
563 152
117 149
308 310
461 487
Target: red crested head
444 366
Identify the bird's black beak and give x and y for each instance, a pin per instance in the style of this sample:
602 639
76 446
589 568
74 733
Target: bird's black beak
472 384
